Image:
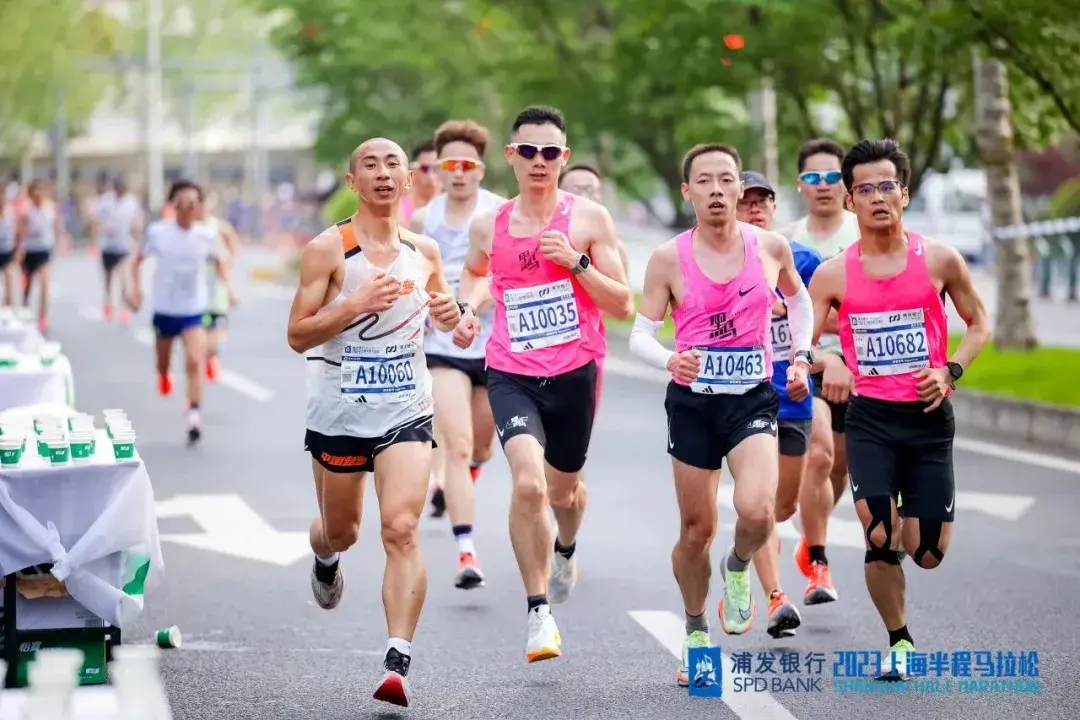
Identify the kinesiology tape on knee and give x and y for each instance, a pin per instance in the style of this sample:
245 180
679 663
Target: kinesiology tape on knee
929 537
885 555
880 508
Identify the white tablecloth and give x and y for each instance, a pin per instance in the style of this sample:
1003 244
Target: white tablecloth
21 334
90 703
82 519
31 383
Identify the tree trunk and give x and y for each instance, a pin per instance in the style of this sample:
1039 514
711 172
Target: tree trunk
1014 327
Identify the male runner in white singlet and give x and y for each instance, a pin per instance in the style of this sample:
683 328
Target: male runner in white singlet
366 288
36 234
116 220
221 297
554 267
185 253
829 229
464 428
720 280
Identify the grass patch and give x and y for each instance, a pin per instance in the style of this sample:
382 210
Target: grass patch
1040 375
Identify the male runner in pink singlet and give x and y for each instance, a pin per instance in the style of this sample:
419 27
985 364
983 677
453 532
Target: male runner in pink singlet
889 292
719 279
554 267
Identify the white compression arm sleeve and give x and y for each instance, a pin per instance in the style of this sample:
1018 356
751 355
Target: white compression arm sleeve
801 319
644 344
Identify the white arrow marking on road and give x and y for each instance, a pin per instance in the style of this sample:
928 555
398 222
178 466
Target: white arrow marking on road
633 369
1000 505
670 630
231 527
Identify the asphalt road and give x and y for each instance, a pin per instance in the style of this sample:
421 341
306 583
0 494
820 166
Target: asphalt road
256 646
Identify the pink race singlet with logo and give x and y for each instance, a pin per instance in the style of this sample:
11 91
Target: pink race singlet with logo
890 327
727 322
545 323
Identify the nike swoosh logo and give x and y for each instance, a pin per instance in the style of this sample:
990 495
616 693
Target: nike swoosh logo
742 293
948 508
500 431
745 614
854 487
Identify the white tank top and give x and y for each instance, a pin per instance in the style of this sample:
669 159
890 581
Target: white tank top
7 232
845 236
40 227
373 376
453 247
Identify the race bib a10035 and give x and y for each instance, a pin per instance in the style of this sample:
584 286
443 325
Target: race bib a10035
541 316
730 371
890 343
379 375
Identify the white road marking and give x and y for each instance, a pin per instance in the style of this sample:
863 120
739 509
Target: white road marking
244 386
670 630
638 371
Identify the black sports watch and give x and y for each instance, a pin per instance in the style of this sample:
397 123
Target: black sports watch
463 306
806 356
956 370
583 264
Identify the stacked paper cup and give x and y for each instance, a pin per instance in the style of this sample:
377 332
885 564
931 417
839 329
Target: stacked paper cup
121 433
82 437
12 445
53 677
52 440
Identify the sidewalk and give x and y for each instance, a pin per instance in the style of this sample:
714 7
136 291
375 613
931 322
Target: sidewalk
1057 323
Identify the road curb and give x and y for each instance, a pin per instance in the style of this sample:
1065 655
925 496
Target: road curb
1048 426
1039 423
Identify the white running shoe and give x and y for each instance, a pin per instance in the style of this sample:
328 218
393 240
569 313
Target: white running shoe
564 575
545 642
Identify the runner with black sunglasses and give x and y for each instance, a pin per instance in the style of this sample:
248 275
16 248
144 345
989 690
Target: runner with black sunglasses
829 229
554 266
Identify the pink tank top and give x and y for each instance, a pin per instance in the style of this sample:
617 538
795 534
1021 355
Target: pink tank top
727 322
891 327
545 323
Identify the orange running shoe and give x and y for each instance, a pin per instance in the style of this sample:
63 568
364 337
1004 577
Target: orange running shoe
165 384
820 588
106 313
784 617
468 574
213 368
474 471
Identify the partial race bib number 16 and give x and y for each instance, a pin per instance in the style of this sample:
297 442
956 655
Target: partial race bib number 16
781 338
541 316
890 343
730 371
378 375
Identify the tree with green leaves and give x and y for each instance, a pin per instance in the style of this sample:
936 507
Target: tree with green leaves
42 49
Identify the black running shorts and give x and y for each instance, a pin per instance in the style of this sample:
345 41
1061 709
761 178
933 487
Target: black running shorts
837 410
895 448
344 454
557 411
703 429
34 260
794 436
474 368
111 258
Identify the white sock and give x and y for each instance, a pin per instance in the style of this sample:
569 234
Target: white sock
400 644
328 561
465 544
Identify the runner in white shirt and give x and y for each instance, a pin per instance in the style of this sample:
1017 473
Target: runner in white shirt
36 233
116 220
221 296
464 428
366 289
182 249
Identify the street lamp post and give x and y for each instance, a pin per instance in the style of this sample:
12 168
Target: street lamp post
155 162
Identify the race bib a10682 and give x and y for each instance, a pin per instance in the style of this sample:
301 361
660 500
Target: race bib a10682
890 343
378 375
730 371
541 316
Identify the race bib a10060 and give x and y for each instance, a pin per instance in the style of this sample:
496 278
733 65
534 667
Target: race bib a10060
730 371
378 375
890 343
541 316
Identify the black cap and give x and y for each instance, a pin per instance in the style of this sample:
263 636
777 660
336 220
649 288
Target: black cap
757 180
